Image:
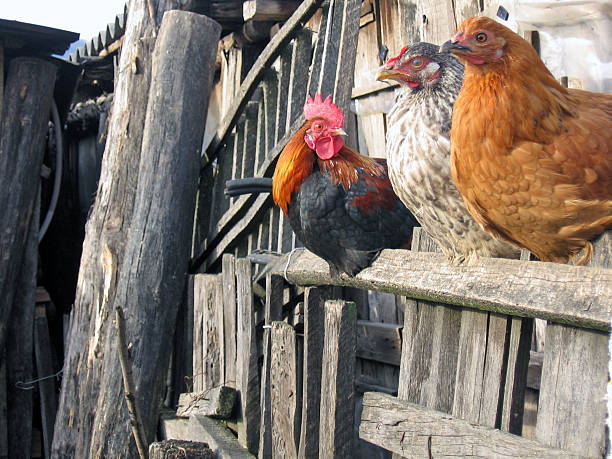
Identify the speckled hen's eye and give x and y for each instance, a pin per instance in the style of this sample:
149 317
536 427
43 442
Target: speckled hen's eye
417 63
481 37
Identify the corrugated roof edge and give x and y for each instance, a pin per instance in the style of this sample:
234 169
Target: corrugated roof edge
113 32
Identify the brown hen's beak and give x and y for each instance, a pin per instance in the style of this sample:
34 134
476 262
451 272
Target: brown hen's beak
448 47
337 131
387 74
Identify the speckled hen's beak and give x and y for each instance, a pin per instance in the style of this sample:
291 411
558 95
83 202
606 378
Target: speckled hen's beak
449 46
387 74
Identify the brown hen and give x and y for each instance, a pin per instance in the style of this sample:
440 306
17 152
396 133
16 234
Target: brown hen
532 159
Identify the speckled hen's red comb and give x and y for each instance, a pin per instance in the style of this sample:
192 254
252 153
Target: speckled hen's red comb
391 62
318 108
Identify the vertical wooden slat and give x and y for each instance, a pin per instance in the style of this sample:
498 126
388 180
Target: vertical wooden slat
516 375
283 391
260 150
275 219
220 203
274 301
44 367
574 377
247 372
250 140
270 96
300 62
314 301
3 406
229 318
317 60
338 373
238 152
283 90
208 343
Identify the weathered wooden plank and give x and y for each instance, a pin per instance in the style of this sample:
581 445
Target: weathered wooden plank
182 350
337 379
20 348
479 380
429 355
208 300
270 97
516 374
568 294
217 402
25 115
283 391
381 342
3 406
249 155
314 301
171 449
268 10
572 409
229 319
398 24
44 368
247 371
274 302
300 62
238 152
219 439
414 431
284 76
269 54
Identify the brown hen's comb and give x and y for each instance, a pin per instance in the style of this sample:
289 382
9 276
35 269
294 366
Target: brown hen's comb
318 108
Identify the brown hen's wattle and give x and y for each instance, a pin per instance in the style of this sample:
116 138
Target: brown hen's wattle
532 159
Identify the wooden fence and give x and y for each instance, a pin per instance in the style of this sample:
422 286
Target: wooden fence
442 353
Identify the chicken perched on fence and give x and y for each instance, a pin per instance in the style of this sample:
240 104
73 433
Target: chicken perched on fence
532 159
418 152
340 204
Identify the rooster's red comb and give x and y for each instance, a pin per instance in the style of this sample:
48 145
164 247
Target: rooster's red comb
318 108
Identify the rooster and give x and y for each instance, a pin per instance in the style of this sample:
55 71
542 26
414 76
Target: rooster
532 159
418 152
339 203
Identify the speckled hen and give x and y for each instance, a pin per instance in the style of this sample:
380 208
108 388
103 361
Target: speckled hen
418 152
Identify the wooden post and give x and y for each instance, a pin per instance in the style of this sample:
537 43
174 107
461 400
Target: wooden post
20 345
274 303
25 115
151 278
314 301
247 371
44 368
107 226
337 379
284 398
268 10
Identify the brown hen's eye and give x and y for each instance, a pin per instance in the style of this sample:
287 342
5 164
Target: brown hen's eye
481 37
417 63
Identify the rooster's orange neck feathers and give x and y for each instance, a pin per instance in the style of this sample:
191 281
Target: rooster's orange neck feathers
296 163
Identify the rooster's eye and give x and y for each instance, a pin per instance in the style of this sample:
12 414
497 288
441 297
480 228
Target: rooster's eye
317 126
481 37
417 63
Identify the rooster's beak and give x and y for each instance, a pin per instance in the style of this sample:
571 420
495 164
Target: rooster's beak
449 47
338 131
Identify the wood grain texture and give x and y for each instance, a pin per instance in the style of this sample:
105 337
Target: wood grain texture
337 380
314 301
209 292
247 370
414 431
219 439
108 224
567 294
379 341
273 307
25 116
174 449
217 402
151 280
228 279
268 10
283 391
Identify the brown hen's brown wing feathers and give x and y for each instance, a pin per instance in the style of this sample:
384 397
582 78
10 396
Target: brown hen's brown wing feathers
532 159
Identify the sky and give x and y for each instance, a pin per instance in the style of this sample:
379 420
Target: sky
86 17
